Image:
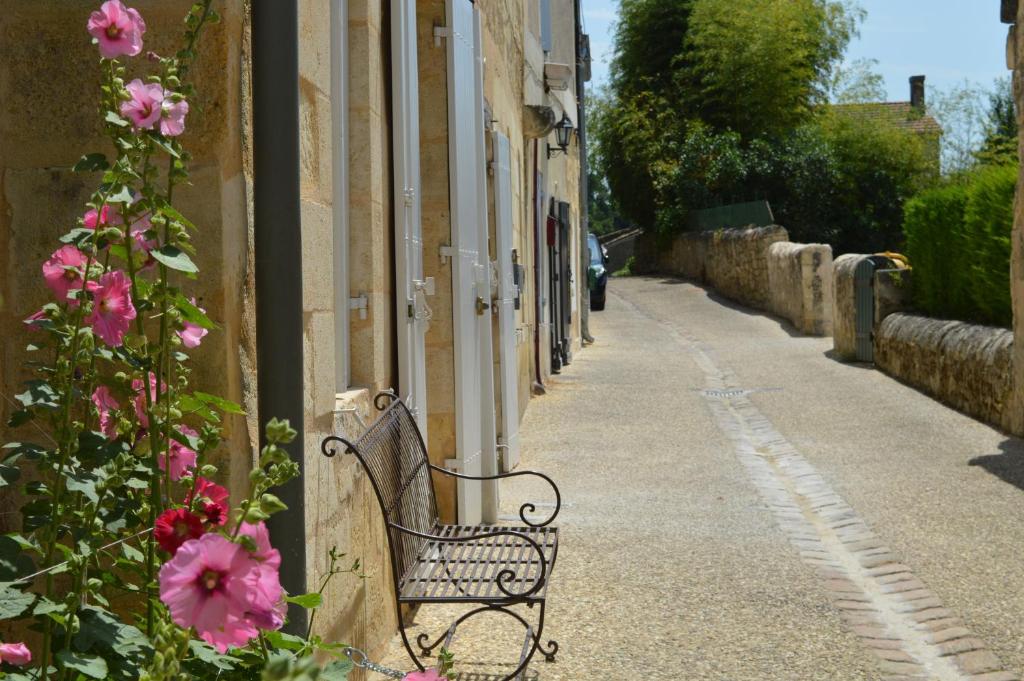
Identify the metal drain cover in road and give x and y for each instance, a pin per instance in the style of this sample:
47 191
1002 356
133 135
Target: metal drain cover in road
735 392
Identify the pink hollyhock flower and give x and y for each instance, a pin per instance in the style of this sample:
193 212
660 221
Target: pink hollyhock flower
214 500
174 527
104 218
145 107
64 272
35 319
192 334
117 29
268 608
105 403
172 122
429 675
179 457
140 397
207 585
16 654
112 310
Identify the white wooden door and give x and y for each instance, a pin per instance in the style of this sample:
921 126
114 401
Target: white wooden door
506 303
411 308
471 299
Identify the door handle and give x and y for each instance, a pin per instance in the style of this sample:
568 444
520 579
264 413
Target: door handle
481 306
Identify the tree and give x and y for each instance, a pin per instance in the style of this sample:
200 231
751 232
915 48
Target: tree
761 66
1000 145
857 83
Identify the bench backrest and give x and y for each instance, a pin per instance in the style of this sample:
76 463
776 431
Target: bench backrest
395 458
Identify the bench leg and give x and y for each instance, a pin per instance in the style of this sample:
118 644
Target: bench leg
531 643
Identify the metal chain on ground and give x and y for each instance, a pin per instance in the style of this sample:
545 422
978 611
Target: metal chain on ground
358 658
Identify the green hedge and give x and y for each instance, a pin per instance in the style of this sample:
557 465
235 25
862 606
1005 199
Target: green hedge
958 242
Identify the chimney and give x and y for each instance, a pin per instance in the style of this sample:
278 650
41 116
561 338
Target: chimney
917 92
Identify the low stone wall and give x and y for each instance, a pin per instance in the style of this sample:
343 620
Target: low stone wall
844 308
967 366
800 285
733 261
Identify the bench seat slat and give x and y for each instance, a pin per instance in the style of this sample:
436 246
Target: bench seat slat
470 570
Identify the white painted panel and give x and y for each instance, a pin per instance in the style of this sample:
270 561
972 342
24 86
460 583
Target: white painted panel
507 355
339 191
411 308
468 277
488 403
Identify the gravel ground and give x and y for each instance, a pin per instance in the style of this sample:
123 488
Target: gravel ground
670 565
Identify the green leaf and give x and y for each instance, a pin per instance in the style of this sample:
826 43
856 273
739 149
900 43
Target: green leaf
13 601
83 482
8 474
208 654
14 560
93 666
20 418
175 258
279 639
132 553
307 601
91 162
39 394
104 632
336 671
191 313
47 607
30 451
113 118
171 212
165 144
123 196
226 406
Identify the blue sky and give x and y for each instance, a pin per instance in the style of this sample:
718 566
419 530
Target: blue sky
946 40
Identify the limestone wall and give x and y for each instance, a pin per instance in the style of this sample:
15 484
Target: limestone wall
733 261
1015 62
967 366
800 285
844 329
49 85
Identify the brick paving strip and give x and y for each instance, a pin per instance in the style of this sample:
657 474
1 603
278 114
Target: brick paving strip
880 599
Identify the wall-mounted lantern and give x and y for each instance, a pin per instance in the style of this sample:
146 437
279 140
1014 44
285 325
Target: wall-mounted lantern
563 129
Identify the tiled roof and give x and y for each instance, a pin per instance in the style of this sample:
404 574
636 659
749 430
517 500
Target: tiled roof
900 114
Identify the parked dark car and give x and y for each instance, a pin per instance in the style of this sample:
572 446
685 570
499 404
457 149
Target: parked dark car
597 274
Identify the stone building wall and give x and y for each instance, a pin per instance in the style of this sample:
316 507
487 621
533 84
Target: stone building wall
800 285
45 43
967 366
341 508
1012 9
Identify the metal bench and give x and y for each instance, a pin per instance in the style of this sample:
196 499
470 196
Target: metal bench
490 566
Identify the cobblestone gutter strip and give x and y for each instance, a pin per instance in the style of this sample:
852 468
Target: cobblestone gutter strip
880 599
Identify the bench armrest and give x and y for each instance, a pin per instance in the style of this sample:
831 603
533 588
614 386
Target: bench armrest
525 508
505 575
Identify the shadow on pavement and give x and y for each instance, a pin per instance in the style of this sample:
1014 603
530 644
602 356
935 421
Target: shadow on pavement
834 356
1007 466
463 675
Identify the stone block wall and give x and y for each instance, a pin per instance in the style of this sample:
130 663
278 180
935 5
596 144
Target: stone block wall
733 261
844 309
967 366
800 285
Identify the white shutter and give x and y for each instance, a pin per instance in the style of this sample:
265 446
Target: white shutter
507 354
474 384
411 307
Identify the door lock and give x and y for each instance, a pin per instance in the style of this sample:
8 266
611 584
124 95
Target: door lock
481 306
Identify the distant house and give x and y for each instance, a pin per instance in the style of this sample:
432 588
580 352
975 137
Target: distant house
911 116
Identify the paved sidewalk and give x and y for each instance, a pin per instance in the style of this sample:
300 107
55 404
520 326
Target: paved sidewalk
741 507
